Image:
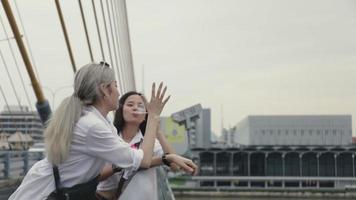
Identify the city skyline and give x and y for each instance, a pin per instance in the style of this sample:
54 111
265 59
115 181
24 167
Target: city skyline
236 57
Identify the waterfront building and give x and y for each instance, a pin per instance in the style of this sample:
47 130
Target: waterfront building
283 152
294 130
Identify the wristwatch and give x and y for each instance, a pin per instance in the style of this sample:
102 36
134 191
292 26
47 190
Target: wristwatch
115 169
165 160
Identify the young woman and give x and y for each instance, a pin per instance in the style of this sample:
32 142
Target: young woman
130 121
80 138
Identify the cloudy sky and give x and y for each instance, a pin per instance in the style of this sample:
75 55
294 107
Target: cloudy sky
236 57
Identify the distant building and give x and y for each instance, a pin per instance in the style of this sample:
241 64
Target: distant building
4 144
227 137
301 151
20 141
202 137
199 136
294 130
175 134
20 119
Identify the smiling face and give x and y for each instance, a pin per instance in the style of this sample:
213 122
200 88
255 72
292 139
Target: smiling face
131 107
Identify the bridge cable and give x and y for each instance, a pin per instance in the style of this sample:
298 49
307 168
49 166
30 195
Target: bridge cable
64 29
124 41
106 33
10 78
117 34
6 102
121 85
98 30
113 45
85 30
122 46
12 117
128 43
121 52
16 64
27 42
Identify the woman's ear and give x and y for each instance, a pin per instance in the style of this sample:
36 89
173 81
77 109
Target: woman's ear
104 90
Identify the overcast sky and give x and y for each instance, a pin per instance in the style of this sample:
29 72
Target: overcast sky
246 57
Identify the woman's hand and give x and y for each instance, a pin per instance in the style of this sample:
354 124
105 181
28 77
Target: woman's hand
174 167
183 163
156 104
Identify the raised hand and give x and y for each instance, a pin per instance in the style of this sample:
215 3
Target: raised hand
156 104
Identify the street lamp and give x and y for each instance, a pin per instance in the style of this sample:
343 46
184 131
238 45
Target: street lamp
7 39
54 92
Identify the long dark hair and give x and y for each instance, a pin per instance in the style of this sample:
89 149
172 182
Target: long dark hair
119 121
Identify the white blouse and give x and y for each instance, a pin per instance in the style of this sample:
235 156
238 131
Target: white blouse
95 142
143 184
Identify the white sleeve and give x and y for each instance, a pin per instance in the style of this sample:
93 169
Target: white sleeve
103 143
157 149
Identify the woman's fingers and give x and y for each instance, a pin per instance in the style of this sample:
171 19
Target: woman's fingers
163 93
174 167
165 101
192 165
187 165
156 104
153 91
186 168
159 90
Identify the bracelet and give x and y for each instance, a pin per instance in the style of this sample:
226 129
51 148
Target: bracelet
165 160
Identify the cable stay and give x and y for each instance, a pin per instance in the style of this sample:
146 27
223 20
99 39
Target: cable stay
98 30
27 42
10 78
85 30
16 64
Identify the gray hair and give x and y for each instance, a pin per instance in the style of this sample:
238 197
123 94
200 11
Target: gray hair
58 134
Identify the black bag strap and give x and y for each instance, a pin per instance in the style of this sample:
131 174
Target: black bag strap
57 178
120 185
122 179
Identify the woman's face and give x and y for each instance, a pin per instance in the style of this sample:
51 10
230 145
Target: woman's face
114 95
132 107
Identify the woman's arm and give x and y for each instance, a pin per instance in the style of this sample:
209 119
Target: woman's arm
167 148
156 161
106 172
154 109
149 140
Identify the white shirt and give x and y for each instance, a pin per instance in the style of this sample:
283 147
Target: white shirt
143 184
95 142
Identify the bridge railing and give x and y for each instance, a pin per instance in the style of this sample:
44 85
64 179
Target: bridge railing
17 163
164 191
